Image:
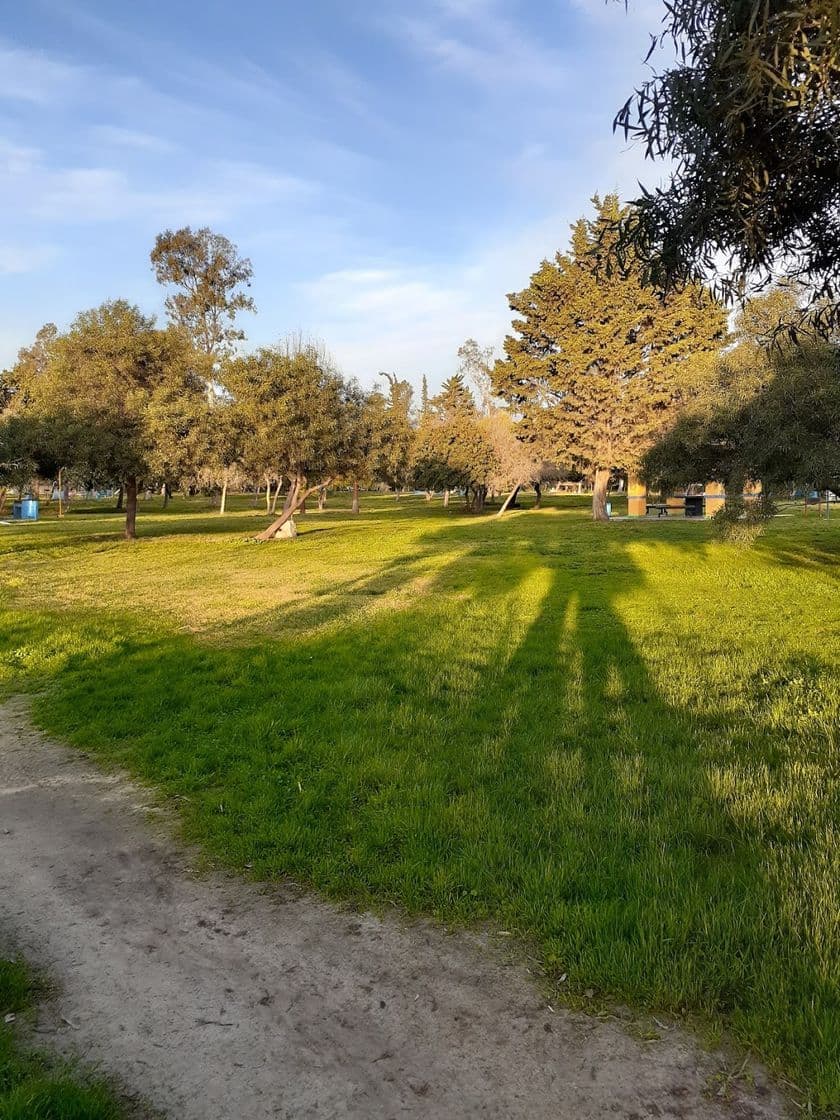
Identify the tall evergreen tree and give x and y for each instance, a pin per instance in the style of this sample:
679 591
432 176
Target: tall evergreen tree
453 399
424 398
396 435
599 363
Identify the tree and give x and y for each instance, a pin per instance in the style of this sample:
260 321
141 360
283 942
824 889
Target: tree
750 116
223 441
18 384
770 413
424 397
292 405
20 441
517 462
476 366
599 362
396 440
453 450
208 275
114 396
362 424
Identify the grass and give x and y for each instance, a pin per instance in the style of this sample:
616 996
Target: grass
32 1086
620 742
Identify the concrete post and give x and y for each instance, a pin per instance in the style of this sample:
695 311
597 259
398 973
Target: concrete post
715 498
636 497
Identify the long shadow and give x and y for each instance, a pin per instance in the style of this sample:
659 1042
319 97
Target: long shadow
497 748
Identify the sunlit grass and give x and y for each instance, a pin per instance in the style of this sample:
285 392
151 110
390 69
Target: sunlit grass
32 1086
619 741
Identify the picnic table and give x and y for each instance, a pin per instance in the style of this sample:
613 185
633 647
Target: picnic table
691 504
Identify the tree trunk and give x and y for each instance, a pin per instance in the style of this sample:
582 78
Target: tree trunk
480 495
354 508
130 508
223 500
429 495
300 494
538 492
445 499
322 499
274 500
120 493
599 494
164 490
509 500
268 495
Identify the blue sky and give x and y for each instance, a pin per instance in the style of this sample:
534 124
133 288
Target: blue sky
392 168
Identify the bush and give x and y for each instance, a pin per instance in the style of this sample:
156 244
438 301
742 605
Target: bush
742 521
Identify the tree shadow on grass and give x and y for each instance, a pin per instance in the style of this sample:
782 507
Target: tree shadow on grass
499 749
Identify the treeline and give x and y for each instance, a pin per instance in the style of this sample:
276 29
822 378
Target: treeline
118 401
600 375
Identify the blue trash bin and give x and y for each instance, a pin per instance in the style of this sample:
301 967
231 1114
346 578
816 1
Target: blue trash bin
29 509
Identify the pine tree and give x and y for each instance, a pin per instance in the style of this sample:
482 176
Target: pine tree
453 399
599 363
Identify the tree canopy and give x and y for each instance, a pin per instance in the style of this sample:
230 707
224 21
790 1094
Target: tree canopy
113 398
208 276
770 413
750 115
599 362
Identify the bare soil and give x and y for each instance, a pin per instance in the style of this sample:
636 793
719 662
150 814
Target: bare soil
217 998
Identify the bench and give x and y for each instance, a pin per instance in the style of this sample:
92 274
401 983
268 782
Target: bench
662 508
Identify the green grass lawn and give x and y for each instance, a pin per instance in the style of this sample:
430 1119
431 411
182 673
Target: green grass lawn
33 1087
619 742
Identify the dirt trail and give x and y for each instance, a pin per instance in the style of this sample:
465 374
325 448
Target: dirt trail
215 999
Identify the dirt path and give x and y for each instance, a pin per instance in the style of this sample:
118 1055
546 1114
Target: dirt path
215 999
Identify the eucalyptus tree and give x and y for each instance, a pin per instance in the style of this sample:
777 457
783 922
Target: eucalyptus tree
208 277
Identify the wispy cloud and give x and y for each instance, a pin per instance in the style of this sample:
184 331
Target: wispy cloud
31 187
476 41
114 136
36 77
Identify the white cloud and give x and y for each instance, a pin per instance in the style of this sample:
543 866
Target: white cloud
473 39
213 191
16 160
33 76
131 138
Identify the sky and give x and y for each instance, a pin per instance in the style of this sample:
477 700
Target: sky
392 168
